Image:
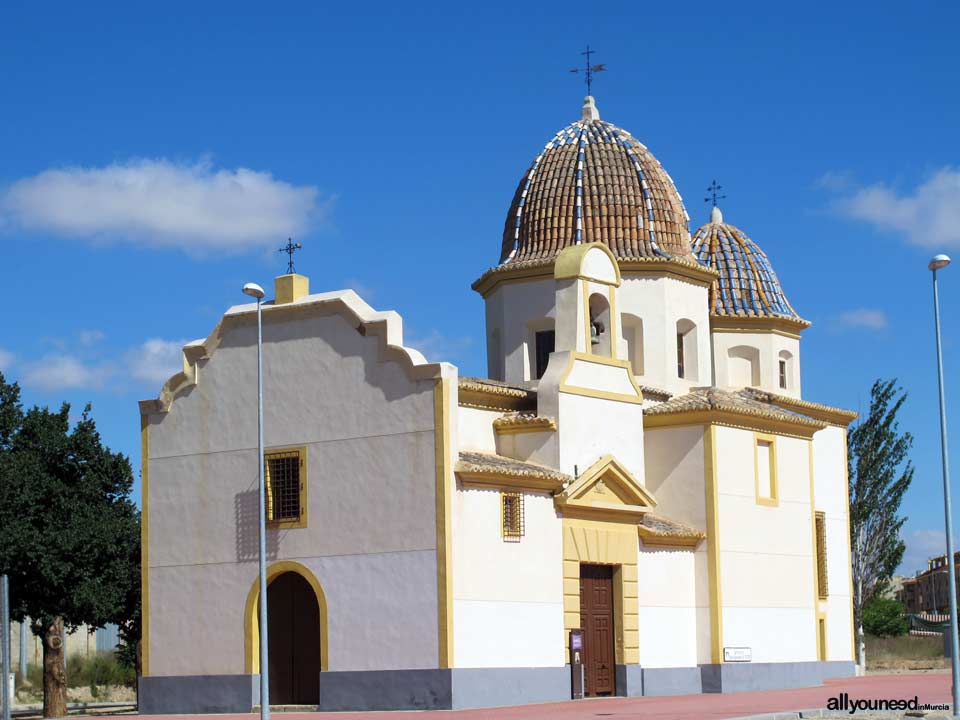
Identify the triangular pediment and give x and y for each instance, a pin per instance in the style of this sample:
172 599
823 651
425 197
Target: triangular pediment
606 487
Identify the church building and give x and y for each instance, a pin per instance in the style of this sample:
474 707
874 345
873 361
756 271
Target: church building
639 464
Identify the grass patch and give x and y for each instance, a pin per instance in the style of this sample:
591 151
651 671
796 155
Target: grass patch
906 652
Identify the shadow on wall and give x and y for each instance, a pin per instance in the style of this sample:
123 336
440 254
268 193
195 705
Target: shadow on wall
246 507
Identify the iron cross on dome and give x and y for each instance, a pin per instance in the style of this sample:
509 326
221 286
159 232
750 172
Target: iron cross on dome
290 248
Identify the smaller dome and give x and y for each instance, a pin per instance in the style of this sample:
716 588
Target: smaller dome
747 286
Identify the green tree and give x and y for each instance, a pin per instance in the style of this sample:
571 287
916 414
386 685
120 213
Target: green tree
883 617
69 532
880 473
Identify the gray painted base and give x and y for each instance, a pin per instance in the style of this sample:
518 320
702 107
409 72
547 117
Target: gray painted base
629 681
672 681
464 688
744 677
158 695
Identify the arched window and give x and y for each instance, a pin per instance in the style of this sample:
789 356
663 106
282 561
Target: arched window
600 325
743 366
632 331
687 350
785 370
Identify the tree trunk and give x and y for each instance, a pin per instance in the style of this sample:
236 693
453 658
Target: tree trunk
54 671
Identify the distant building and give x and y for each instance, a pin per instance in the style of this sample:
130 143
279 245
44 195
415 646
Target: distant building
27 648
929 592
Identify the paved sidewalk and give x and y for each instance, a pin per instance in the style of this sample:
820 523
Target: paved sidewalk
929 688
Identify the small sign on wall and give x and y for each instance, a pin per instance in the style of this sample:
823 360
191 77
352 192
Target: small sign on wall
737 654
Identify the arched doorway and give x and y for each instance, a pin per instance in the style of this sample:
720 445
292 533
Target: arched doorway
293 634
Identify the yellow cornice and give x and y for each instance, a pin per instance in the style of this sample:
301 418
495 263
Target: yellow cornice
489 396
502 480
523 423
606 468
801 427
637 398
541 269
787 327
652 538
818 411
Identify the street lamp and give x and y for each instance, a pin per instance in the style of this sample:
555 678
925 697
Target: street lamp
938 262
255 291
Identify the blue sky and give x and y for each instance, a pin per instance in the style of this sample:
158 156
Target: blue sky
154 158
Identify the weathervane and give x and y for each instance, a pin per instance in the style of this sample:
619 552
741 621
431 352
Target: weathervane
290 248
713 190
589 69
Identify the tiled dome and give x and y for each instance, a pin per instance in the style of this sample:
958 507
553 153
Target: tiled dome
594 182
747 286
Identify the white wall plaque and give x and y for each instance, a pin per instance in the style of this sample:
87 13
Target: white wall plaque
737 654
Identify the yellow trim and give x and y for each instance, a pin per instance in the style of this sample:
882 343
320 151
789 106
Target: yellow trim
823 590
603 543
813 522
301 521
737 324
739 421
441 433
534 424
846 505
602 394
144 546
661 267
713 543
773 500
251 635
638 499
569 263
822 636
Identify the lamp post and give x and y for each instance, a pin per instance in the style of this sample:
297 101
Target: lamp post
938 262
255 291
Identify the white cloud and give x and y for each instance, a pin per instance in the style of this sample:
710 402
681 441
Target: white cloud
160 203
864 318
59 372
921 545
6 359
156 360
90 337
437 347
929 215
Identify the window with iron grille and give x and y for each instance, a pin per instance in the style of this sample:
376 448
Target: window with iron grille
283 472
821 525
511 510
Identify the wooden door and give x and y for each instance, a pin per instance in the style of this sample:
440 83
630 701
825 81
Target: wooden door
596 620
294 641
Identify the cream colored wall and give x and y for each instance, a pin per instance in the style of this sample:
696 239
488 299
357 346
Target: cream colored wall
766 553
830 482
508 596
475 429
660 302
517 310
371 536
674 607
769 345
674 459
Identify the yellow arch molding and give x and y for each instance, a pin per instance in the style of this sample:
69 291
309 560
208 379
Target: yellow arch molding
251 635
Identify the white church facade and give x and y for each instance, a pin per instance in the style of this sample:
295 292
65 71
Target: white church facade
639 464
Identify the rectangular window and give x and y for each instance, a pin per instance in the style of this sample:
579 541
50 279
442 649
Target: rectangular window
511 511
820 523
545 342
680 369
766 470
283 472
783 374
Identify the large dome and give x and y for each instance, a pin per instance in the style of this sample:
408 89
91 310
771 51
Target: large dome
595 182
747 286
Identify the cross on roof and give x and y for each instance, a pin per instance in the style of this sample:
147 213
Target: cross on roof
589 69
290 248
714 189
